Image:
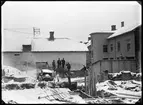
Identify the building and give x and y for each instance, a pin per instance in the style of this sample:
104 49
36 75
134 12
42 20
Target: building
32 52
114 51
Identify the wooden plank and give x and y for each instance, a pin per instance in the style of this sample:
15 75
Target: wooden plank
129 94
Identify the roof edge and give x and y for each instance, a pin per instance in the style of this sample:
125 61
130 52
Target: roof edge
100 33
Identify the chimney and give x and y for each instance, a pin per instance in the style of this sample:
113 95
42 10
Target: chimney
122 24
51 35
113 27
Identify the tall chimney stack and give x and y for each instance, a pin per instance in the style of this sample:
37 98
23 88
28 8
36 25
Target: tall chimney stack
113 27
122 24
51 36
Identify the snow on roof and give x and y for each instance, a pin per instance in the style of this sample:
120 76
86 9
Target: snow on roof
13 41
14 44
58 45
124 29
102 31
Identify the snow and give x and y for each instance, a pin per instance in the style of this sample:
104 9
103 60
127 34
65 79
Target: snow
30 96
47 71
77 79
122 91
12 72
123 30
59 44
120 87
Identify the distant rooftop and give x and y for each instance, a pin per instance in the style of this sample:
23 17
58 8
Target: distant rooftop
40 44
123 30
102 31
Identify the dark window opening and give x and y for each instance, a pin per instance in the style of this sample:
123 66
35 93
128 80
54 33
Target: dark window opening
26 48
111 58
130 57
118 46
122 57
105 58
16 54
105 48
111 47
128 46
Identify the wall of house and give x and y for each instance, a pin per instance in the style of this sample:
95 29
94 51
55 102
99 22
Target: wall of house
114 66
28 60
123 39
88 57
97 42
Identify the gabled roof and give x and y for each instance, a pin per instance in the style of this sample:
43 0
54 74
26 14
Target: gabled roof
57 45
14 44
123 30
102 31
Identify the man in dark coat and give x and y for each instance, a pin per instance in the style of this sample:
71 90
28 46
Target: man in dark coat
63 62
59 63
68 66
68 74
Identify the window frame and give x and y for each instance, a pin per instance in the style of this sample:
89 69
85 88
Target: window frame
118 46
128 46
111 47
105 48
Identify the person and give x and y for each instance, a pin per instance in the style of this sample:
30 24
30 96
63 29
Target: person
47 65
68 74
68 66
54 65
63 62
59 63
84 68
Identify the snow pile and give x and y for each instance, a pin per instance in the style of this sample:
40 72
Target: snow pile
11 71
125 75
130 88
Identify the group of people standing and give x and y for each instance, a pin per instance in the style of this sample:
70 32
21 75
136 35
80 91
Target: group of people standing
60 63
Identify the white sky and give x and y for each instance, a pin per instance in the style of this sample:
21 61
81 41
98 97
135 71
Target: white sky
73 19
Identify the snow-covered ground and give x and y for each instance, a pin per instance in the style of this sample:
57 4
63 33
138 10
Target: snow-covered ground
31 96
121 88
121 91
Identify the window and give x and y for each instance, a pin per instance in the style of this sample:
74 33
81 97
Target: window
128 46
128 41
130 57
118 46
105 48
26 48
16 54
111 47
105 58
